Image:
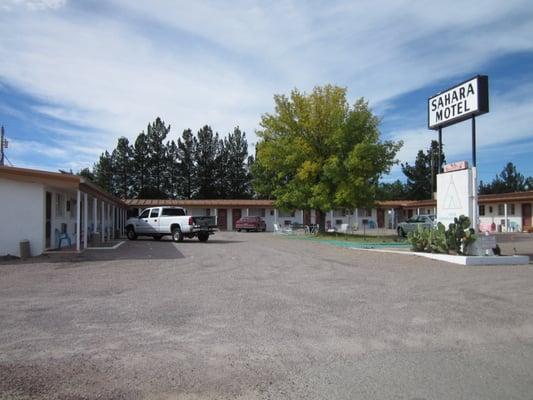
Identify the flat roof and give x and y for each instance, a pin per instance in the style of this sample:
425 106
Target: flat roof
58 180
223 203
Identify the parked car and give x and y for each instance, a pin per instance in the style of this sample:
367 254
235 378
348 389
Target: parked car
412 224
161 221
250 224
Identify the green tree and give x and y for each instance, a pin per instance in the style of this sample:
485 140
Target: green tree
422 175
396 190
173 170
317 152
205 155
122 168
235 175
87 174
103 172
140 165
507 181
156 134
187 169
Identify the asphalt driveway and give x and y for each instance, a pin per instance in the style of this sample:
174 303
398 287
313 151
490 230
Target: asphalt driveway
253 316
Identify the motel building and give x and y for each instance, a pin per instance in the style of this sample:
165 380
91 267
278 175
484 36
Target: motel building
55 211
46 209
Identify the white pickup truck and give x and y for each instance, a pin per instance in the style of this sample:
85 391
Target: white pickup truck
161 221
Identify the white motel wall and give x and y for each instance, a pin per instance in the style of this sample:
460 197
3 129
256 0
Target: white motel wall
22 216
41 207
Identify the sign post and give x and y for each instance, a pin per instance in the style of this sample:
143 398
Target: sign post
459 103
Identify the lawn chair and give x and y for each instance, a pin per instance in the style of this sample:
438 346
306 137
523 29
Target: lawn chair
60 237
278 230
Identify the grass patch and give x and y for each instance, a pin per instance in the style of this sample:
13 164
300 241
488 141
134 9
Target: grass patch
361 238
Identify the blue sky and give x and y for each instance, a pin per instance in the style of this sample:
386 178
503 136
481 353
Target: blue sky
75 76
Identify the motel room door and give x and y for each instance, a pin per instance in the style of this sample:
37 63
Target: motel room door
236 216
526 215
222 219
381 218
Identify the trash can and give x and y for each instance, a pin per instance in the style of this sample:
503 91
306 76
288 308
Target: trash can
95 239
24 246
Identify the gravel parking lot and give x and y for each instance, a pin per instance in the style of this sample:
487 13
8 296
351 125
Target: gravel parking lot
254 316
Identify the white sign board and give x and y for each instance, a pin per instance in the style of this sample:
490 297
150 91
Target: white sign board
459 103
454 195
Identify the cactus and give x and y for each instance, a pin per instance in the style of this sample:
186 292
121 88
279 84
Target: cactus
459 235
439 240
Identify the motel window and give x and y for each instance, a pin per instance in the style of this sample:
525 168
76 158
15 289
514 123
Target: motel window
364 212
256 212
60 205
286 214
501 209
510 209
481 210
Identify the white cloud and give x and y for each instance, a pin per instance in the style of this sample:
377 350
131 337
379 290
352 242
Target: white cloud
32 5
219 63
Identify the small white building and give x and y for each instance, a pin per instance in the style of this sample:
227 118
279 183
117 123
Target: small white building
46 208
505 212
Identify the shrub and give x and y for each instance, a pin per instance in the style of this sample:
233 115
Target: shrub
439 240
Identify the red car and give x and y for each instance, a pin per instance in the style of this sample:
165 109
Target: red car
250 224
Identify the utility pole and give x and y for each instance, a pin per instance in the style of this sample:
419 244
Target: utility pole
432 164
3 143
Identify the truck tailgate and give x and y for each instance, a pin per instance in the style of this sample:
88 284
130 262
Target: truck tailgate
205 222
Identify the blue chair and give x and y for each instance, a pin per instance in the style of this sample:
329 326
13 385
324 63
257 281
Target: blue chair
60 237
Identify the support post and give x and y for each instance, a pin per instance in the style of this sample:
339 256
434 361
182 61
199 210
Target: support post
506 218
247 212
95 214
440 150
85 220
78 221
474 141
102 213
475 210
113 226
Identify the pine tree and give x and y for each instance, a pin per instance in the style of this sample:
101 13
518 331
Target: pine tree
507 181
173 171
122 168
157 161
422 176
205 156
186 187
87 174
103 172
236 174
140 165
221 172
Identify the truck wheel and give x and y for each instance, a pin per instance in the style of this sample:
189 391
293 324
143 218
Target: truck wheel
131 234
177 235
203 236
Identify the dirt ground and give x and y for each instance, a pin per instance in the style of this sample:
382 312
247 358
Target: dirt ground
255 316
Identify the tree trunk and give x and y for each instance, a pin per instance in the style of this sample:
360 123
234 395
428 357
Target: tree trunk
321 221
